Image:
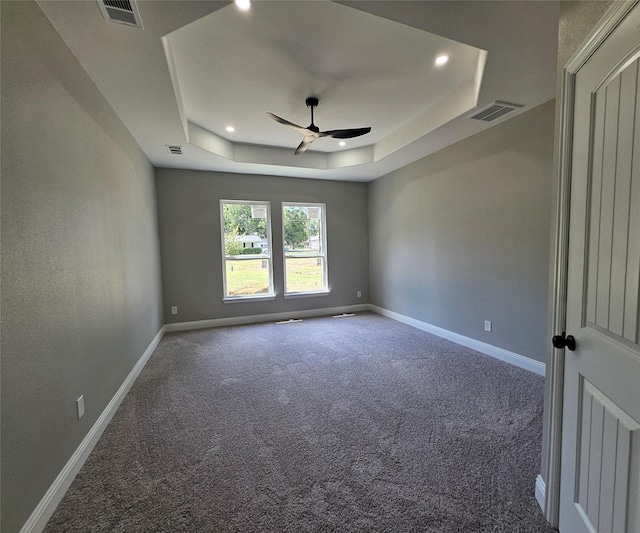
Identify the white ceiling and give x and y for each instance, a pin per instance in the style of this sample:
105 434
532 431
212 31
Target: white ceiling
197 67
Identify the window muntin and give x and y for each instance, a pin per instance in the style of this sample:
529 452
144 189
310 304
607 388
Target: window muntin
246 249
305 245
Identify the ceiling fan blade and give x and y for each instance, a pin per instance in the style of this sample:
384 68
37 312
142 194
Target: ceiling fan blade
345 134
302 147
299 129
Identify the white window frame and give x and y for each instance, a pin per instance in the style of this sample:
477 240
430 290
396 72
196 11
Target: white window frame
248 297
322 252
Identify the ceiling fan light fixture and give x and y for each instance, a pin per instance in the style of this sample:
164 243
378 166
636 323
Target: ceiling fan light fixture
243 5
342 143
312 132
441 60
230 129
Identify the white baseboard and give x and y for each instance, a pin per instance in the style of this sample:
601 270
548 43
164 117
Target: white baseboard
488 349
42 513
269 317
540 492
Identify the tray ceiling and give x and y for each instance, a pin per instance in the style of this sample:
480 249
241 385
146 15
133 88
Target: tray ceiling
197 68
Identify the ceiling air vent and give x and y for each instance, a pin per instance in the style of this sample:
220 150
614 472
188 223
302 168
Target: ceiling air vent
174 149
121 11
494 111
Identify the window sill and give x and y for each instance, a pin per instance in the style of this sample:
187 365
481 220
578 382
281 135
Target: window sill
254 298
306 294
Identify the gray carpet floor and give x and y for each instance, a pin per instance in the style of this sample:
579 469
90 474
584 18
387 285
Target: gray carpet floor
330 424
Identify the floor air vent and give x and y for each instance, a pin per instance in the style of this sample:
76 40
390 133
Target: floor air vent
174 149
494 111
121 11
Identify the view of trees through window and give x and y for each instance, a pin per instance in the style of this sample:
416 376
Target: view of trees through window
298 227
247 257
239 221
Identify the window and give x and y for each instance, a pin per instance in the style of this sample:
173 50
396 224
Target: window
246 240
305 248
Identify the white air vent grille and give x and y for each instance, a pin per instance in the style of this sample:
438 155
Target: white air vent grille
494 111
119 4
174 149
121 11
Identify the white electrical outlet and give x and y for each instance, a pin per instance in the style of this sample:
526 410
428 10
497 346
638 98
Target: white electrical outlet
174 309
487 325
359 294
80 406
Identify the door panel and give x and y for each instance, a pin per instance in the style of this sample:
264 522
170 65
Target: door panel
612 288
600 471
604 460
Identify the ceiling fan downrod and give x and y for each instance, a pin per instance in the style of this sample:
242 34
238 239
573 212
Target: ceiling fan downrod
312 102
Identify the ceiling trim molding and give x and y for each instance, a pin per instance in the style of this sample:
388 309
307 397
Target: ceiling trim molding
173 74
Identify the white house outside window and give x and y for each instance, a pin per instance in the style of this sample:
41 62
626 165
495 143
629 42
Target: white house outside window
305 249
246 249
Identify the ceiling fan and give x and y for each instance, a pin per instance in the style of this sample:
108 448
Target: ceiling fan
312 132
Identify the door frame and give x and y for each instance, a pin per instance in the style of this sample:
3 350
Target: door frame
564 146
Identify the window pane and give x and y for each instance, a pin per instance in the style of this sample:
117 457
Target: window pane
302 229
304 274
245 229
247 276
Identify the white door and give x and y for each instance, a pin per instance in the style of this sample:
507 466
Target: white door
600 472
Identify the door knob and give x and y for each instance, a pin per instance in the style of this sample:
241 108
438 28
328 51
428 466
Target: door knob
560 341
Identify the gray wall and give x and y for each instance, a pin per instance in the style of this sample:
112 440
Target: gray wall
189 221
462 236
81 287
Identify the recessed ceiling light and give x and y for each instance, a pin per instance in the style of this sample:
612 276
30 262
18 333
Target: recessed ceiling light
342 143
230 129
442 60
243 5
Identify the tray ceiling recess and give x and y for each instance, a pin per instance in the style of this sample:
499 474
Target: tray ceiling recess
203 75
229 68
